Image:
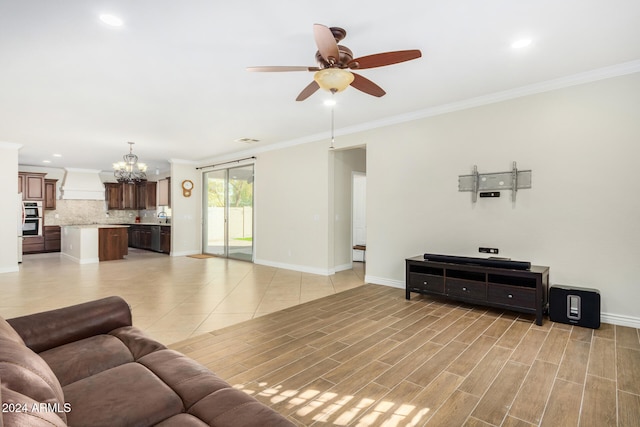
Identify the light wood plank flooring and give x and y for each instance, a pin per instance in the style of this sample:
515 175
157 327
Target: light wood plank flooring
366 356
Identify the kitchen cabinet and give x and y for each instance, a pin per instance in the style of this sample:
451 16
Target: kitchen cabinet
113 195
112 243
165 239
150 237
139 196
52 238
31 185
50 193
32 244
146 195
164 192
129 196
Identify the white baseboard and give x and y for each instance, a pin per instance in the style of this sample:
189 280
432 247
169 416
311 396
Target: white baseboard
613 319
9 269
80 261
185 253
342 267
620 320
295 267
384 281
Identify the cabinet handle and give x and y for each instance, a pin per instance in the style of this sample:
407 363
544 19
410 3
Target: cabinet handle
509 296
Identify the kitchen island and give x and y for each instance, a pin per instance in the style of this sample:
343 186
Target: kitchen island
91 243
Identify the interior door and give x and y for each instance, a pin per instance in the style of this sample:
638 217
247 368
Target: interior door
228 225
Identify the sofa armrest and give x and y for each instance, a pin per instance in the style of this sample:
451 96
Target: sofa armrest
49 329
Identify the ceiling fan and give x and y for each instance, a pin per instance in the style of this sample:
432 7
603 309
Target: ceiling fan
335 63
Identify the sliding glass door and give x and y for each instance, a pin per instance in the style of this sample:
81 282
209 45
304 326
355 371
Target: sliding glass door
228 225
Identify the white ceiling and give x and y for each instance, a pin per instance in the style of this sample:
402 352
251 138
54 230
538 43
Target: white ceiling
173 78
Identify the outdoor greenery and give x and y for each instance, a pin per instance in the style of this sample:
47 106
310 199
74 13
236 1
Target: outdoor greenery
240 193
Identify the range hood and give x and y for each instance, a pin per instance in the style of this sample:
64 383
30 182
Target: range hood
82 184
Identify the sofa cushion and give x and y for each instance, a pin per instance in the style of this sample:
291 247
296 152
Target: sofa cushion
139 343
127 395
230 407
182 420
81 359
26 373
189 379
21 410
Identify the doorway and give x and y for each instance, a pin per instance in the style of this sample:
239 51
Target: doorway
359 216
228 216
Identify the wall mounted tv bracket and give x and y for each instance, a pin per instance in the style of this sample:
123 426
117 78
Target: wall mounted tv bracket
513 180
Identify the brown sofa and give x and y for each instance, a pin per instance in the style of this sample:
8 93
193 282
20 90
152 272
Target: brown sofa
86 365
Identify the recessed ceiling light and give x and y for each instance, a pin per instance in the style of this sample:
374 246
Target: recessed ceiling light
46 161
111 20
57 155
519 44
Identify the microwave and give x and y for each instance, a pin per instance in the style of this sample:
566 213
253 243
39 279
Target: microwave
32 209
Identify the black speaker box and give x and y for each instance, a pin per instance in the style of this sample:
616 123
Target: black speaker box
575 306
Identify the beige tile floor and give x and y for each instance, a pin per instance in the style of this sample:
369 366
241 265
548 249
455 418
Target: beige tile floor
172 298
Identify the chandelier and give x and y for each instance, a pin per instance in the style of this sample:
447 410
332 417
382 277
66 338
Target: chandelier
129 170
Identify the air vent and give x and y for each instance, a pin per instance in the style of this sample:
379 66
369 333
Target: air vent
247 140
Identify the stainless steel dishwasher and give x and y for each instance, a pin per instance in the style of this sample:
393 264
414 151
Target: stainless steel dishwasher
155 238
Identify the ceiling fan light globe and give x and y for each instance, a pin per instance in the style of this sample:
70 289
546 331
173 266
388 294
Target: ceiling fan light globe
333 79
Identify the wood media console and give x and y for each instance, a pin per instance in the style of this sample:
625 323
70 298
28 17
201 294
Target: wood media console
522 290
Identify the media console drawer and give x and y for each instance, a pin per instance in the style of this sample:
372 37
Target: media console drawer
520 290
512 295
427 282
467 289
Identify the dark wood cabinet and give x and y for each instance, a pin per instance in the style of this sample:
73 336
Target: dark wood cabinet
165 239
31 185
112 243
52 238
113 195
32 244
150 237
122 196
129 200
146 195
50 186
519 290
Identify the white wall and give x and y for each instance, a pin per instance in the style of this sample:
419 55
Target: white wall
186 219
581 218
9 215
345 163
291 208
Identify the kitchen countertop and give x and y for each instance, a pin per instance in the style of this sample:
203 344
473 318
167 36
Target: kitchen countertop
151 223
96 226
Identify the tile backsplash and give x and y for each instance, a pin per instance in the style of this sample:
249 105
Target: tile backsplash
75 212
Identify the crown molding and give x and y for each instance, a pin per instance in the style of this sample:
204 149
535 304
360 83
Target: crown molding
618 70
604 73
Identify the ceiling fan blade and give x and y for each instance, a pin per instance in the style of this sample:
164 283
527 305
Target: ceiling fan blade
308 91
367 86
282 68
326 42
382 59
